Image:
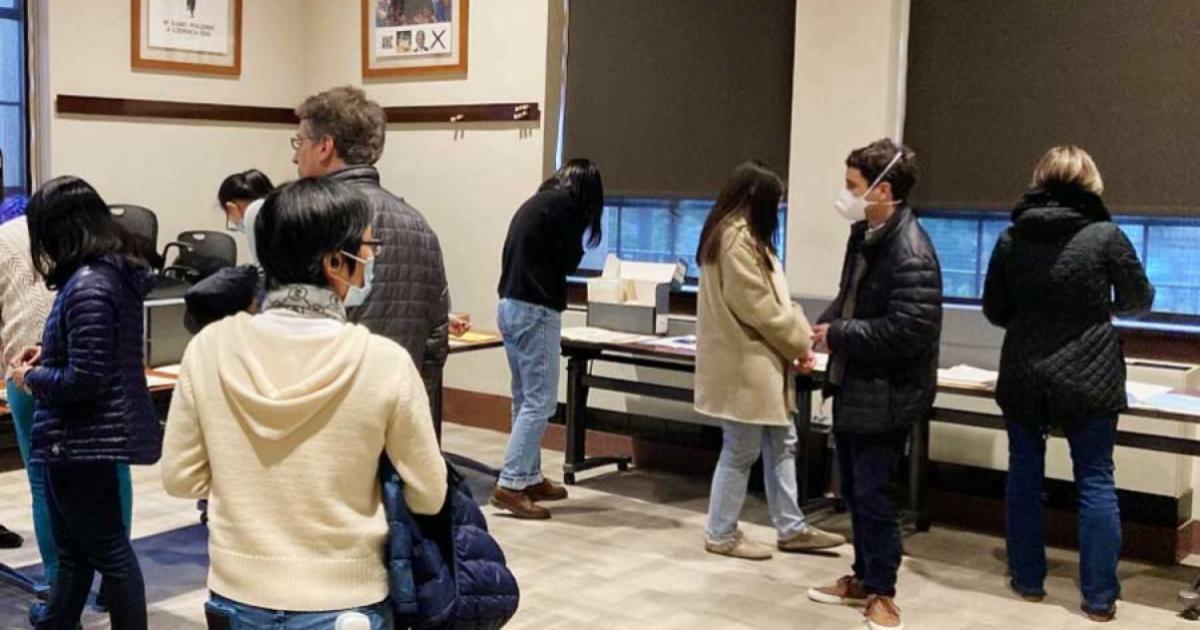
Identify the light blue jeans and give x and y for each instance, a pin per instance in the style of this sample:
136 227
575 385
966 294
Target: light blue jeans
21 405
532 338
741 445
245 617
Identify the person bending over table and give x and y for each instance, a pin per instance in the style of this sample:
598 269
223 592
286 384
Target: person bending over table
749 335
544 245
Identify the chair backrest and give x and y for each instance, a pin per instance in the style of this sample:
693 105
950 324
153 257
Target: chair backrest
142 223
207 252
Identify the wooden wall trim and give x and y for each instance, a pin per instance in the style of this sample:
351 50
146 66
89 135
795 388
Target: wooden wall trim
138 108
141 108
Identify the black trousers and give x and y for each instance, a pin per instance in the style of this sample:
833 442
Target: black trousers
868 465
89 532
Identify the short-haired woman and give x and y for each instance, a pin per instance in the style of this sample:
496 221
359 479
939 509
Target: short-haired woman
93 411
279 420
237 192
1057 277
750 335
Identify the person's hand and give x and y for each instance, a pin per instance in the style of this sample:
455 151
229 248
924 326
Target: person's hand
821 338
28 356
18 376
459 324
806 364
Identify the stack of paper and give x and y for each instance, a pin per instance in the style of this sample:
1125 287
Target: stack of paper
968 376
602 335
154 382
686 342
1178 403
173 370
1140 393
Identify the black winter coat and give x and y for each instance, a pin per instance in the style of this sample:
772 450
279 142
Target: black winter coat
410 300
92 401
891 344
1056 279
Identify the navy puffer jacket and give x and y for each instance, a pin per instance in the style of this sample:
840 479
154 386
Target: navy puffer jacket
92 401
445 571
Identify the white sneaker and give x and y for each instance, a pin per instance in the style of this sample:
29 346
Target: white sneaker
737 546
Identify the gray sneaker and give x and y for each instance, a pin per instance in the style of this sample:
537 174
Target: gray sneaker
737 546
811 539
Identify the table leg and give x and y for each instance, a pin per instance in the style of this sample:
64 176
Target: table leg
576 421
918 473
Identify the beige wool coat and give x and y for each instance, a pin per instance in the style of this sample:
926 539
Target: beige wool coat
748 332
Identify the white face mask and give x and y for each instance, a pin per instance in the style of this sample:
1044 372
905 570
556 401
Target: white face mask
854 208
356 296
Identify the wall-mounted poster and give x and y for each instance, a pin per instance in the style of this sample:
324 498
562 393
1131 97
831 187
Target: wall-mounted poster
202 36
414 37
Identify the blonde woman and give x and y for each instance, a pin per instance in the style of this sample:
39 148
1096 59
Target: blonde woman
1056 279
750 334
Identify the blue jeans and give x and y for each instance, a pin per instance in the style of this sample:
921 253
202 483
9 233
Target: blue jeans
740 448
21 405
1099 515
868 465
532 342
244 617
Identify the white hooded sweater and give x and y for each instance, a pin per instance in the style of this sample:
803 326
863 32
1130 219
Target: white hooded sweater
281 426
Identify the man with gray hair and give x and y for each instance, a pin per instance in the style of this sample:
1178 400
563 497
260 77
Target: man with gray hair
406 299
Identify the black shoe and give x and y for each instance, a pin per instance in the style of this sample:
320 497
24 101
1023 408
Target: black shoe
10 539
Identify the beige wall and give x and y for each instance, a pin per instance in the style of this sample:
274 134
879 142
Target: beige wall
171 167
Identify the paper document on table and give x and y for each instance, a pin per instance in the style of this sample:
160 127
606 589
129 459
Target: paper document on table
153 381
967 375
1139 393
686 342
173 370
1178 403
472 336
602 335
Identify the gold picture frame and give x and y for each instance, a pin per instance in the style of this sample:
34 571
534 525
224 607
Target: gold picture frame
414 38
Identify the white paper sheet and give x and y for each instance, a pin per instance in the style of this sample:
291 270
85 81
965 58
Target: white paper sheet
686 342
1139 393
1178 403
968 375
602 335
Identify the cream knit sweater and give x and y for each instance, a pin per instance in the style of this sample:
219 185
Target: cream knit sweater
282 431
25 301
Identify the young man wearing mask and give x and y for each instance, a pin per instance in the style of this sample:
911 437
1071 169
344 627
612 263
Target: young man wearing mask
341 136
882 335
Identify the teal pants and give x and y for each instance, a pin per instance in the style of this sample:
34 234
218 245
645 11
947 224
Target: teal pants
21 405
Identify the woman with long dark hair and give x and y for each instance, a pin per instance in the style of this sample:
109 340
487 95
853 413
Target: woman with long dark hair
544 245
93 411
750 336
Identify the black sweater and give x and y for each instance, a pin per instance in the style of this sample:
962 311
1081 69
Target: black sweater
544 244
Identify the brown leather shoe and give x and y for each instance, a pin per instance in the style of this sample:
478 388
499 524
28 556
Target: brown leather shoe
519 503
1100 617
848 591
546 491
883 614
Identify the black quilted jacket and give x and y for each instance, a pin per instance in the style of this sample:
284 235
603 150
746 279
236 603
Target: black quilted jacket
410 301
1056 279
92 401
891 344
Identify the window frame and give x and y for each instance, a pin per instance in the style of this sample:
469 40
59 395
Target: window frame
981 217
19 14
692 280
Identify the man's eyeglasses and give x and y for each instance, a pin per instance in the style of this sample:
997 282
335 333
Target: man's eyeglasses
297 141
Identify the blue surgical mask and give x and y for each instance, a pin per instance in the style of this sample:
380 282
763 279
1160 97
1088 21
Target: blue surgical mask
356 296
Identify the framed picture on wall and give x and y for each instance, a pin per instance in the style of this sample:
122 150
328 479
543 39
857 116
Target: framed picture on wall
197 36
403 38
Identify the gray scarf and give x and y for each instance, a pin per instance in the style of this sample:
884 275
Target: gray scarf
307 300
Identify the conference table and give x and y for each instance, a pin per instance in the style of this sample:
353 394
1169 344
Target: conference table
582 355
